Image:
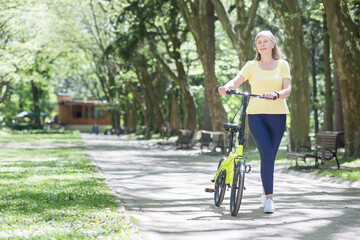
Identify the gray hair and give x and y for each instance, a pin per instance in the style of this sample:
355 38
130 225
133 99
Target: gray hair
276 53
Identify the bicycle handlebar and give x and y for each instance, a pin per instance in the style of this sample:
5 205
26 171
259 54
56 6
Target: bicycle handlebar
237 92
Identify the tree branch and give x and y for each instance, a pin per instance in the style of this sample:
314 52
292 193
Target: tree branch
167 69
251 17
224 18
96 26
317 42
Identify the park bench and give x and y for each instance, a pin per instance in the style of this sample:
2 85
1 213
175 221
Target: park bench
212 140
185 138
327 143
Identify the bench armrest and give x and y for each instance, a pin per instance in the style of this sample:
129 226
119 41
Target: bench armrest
305 147
326 149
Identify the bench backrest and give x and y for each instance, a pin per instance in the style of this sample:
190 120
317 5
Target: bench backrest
328 139
205 137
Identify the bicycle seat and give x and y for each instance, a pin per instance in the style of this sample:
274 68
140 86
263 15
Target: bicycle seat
232 127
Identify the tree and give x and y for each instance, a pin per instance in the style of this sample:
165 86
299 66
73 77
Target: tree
329 108
134 50
240 36
295 50
345 45
6 34
199 17
172 34
240 33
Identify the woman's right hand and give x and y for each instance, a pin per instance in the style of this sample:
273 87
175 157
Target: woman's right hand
222 90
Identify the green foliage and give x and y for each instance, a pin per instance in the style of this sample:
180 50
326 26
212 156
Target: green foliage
70 45
350 170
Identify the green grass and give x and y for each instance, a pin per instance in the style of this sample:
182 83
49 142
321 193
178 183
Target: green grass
349 170
56 193
41 137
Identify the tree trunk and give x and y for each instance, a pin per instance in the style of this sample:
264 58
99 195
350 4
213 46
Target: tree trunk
346 54
338 110
153 105
188 102
106 71
329 109
174 118
4 89
139 99
206 115
132 118
314 87
200 20
240 36
290 18
189 105
36 92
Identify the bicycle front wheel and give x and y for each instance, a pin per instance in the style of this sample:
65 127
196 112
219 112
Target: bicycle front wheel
220 188
237 188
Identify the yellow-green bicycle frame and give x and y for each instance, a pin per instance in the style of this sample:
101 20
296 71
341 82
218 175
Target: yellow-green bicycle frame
228 164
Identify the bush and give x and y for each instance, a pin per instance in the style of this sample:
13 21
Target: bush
26 126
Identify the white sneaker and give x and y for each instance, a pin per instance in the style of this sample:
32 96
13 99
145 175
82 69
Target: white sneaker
263 200
269 206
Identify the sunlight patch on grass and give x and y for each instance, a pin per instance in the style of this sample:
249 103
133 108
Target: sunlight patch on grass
68 137
349 170
345 174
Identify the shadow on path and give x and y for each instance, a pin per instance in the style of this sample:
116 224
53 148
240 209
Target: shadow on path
164 189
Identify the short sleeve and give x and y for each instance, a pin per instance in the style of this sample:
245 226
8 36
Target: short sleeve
285 70
246 70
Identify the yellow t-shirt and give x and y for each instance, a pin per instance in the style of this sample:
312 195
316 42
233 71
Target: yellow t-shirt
262 81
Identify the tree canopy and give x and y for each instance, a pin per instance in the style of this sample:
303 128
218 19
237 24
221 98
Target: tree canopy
157 62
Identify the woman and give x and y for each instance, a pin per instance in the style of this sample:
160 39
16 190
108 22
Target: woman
270 76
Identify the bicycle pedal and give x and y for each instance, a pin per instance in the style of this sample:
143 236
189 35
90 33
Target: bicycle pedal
209 190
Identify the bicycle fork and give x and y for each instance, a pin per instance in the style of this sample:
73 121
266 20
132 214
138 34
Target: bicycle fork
229 164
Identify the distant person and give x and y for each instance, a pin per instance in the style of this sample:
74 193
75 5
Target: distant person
268 75
95 129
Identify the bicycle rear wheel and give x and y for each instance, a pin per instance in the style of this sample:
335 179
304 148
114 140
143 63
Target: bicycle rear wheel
220 188
237 188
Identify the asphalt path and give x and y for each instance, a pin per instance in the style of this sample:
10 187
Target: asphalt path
163 188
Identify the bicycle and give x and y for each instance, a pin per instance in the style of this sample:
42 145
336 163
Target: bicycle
231 169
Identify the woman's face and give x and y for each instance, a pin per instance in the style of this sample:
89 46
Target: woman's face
264 45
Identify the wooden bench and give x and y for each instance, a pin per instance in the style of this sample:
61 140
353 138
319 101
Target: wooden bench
185 138
326 148
212 140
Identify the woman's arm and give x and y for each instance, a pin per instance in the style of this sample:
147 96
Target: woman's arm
286 88
284 92
232 84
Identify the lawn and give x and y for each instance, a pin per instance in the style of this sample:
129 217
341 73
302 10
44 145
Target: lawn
40 136
56 193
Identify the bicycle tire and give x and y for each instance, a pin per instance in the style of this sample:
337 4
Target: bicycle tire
237 188
221 161
220 188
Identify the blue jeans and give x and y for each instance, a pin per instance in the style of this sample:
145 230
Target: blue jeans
267 131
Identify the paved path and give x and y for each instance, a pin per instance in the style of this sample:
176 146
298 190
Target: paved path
163 189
